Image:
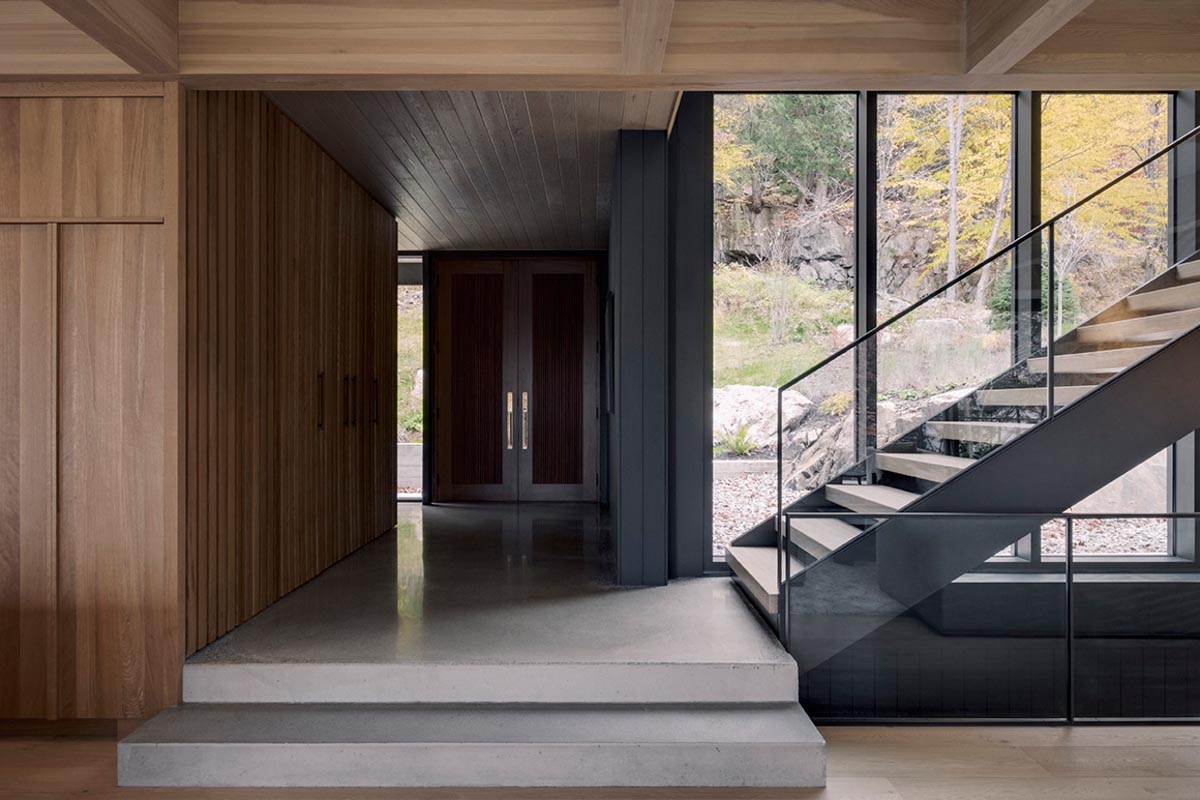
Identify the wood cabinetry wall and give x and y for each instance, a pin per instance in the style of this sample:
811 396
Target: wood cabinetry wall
90 564
290 361
197 382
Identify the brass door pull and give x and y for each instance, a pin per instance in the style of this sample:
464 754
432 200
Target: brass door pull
524 420
510 420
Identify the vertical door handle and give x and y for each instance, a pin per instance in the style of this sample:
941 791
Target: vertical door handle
524 420
321 400
345 401
354 401
510 421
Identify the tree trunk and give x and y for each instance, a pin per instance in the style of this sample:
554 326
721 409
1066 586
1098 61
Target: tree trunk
994 236
954 123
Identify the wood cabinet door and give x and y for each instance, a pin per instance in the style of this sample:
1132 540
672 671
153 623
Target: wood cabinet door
558 379
475 378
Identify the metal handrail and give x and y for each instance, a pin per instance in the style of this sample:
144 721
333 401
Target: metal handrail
1002 251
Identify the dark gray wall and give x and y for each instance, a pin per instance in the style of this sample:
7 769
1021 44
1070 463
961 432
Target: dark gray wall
689 176
638 418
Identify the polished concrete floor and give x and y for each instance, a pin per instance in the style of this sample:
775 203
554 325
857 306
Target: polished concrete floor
868 763
498 584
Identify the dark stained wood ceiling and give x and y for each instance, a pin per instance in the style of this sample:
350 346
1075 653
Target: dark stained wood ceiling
483 170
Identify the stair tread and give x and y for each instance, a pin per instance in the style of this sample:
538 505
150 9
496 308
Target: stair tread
819 537
433 722
982 431
758 567
1189 270
1152 327
930 466
1172 298
1030 396
869 498
1098 361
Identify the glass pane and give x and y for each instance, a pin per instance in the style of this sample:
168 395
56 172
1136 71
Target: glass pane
409 389
884 630
783 267
1137 631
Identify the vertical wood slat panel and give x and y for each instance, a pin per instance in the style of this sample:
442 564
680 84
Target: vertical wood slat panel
285 277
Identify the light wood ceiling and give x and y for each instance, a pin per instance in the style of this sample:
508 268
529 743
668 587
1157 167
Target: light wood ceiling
937 45
482 170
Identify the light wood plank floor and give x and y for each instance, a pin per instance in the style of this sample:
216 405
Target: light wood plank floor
901 763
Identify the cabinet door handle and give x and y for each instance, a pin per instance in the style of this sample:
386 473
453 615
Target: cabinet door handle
321 400
345 401
524 420
354 401
510 421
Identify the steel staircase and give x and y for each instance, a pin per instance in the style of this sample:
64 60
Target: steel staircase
1035 439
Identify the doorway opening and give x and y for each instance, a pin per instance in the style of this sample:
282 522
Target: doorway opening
410 377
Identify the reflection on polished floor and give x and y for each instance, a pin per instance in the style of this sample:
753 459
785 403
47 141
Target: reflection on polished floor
490 585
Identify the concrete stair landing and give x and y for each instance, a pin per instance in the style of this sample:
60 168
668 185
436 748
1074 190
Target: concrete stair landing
528 672
445 745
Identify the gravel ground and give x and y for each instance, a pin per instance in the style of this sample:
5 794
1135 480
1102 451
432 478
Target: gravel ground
740 503
1108 536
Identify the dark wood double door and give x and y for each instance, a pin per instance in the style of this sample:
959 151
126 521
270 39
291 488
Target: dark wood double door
516 378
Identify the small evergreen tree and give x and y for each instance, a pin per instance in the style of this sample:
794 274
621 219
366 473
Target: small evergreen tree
1000 300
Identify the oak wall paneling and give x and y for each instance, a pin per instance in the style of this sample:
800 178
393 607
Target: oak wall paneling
89 479
290 325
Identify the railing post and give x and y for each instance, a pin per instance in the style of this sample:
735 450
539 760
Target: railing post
1052 324
1069 577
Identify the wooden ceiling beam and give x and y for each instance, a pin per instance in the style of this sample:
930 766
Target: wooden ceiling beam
142 33
645 28
997 34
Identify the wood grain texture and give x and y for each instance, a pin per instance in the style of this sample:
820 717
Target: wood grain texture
645 28
482 170
27 471
34 40
81 157
290 372
142 33
89 514
999 33
118 643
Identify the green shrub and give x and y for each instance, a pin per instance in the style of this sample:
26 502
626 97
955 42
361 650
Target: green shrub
837 404
735 442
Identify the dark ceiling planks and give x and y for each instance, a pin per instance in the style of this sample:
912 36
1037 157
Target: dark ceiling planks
482 170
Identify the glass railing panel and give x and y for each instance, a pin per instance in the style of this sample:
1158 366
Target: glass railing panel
822 434
1136 620
882 629
938 354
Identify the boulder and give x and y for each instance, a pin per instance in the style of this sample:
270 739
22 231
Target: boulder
754 408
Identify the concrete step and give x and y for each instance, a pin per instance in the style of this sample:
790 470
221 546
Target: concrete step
758 570
762 676
427 746
982 432
869 499
1030 397
820 537
1173 298
1150 328
1092 361
927 466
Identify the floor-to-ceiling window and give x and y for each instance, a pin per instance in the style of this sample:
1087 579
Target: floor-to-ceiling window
783 280
945 169
410 343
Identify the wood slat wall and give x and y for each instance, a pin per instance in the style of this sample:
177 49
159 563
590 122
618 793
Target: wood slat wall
290 361
90 598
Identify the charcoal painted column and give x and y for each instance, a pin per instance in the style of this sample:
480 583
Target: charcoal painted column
638 321
1184 218
1027 215
689 173
866 255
